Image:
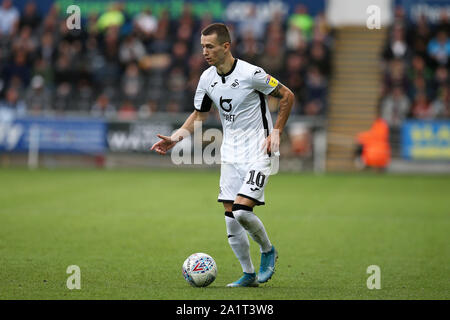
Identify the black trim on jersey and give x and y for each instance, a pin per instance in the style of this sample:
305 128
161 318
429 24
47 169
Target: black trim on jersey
258 203
263 114
206 104
229 72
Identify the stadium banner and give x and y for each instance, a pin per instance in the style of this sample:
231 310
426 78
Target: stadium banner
53 135
425 140
431 9
223 10
136 136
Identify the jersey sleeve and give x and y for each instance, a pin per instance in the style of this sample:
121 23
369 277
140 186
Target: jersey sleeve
202 102
263 82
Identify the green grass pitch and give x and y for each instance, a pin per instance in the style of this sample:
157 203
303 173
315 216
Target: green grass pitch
130 231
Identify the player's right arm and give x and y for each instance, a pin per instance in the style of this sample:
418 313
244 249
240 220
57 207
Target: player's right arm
202 104
166 143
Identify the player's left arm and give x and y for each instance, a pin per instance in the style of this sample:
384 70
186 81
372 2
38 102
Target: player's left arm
286 102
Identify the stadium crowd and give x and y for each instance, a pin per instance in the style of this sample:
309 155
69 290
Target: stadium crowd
416 61
130 66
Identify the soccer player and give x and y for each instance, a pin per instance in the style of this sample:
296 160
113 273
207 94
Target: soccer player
239 90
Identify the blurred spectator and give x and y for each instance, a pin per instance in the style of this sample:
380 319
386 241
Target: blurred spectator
127 111
19 69
441 77
272 60
25 42
146 24
63 98
44 69
302 20
419 85
374 145
63 69
30 16
420 32
439 48
91 24
113 17
294 77
321 29
441 105
173 106
295 39
396 47
444 23
400 17
102 107
179 54
131 50
132 83
318 56
300 138
9 18
84 95
395 107
419 69
38 98
252 24
249 49
147 109
395 76
316 88
46 48
161 42
12 106
421 108
176 85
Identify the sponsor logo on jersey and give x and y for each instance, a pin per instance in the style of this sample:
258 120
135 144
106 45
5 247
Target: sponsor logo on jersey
214 84
228 117
271 81
224 102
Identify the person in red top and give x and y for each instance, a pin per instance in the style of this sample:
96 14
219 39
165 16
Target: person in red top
376 151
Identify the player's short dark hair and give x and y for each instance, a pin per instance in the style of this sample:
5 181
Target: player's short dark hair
221 30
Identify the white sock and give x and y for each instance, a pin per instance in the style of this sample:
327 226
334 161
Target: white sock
253 225
238 240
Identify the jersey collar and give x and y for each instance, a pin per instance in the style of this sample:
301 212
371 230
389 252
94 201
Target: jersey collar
229 72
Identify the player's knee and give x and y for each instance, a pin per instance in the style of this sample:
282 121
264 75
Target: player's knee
242 214
228 206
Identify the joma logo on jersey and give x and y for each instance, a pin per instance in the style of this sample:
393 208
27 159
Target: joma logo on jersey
225 104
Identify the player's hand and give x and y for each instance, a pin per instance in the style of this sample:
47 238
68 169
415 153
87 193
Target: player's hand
272 142
163 145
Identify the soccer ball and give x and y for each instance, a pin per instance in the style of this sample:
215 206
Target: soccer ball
199 270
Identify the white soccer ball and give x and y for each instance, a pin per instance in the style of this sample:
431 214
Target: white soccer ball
199 270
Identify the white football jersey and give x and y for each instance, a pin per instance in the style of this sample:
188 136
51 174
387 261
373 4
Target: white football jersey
241 99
